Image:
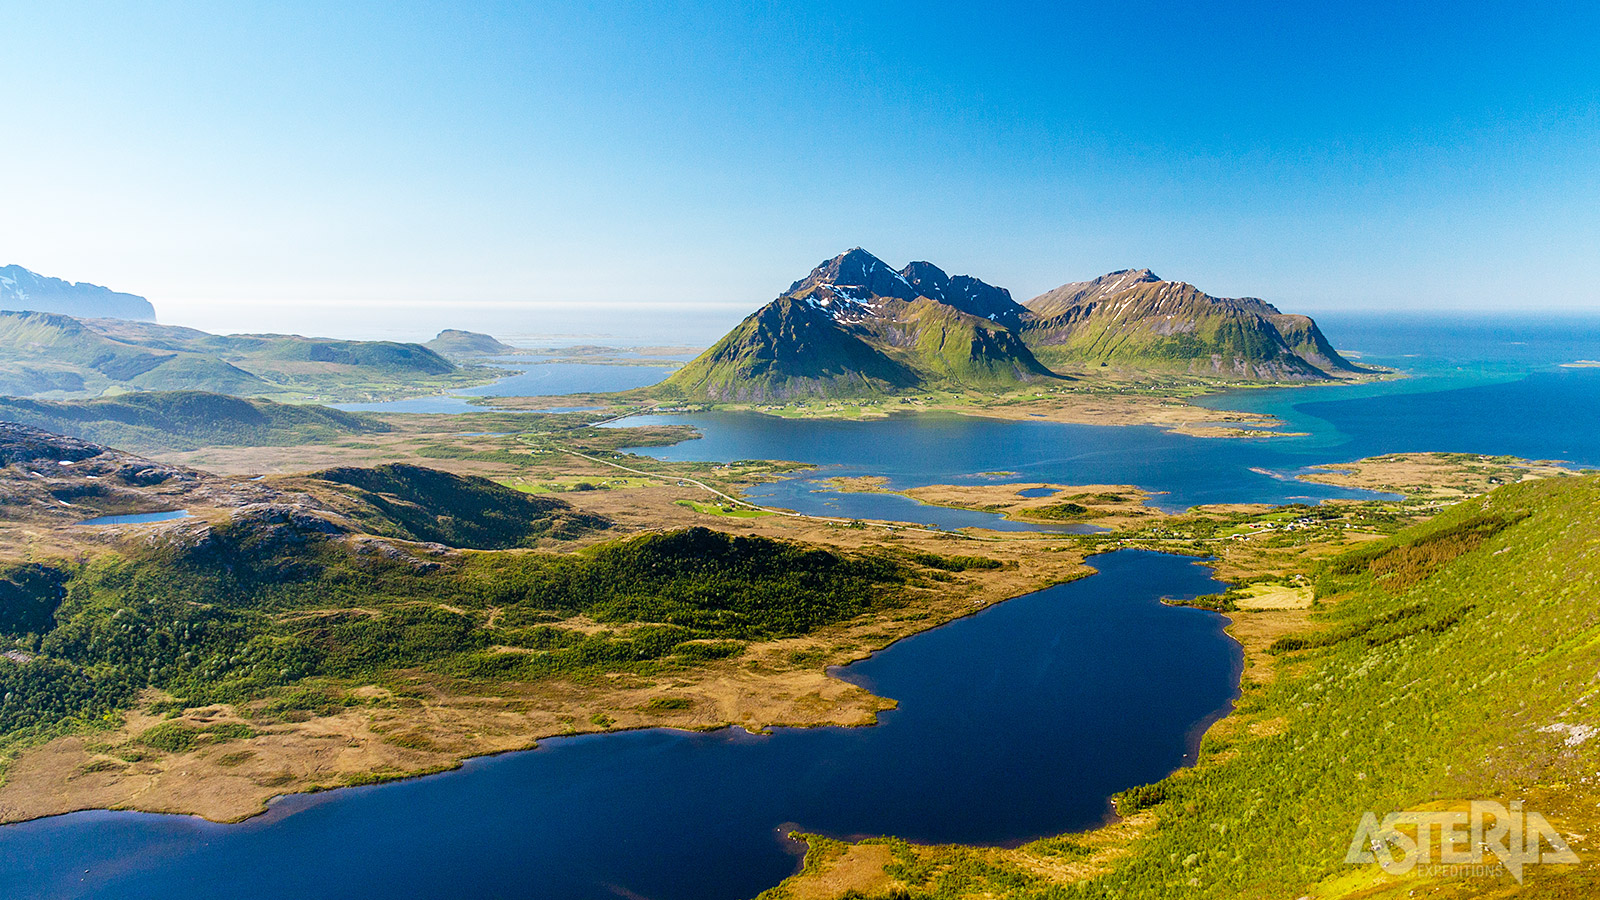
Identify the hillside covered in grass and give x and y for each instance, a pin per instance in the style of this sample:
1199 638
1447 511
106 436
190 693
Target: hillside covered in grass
154 421
1135 320
854 327
1452 662
414 503
284 596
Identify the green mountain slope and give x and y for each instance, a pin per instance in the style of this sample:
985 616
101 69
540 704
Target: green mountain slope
419 504
48 353
156 421
1452 659
269 351
1133 319
789 349
855 327
1455 661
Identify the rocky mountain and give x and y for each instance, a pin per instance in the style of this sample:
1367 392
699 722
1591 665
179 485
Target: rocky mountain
855 326
1133 319
21 289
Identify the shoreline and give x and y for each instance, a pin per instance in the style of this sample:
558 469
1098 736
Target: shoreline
1191 740
1167 406
829 671
757 690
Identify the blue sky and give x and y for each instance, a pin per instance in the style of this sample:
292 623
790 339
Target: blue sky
290 159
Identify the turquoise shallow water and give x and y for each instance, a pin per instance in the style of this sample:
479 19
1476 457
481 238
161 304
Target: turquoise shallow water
1475 385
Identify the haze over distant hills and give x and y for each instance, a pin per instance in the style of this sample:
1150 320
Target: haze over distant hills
57 356
21 289
856 326
455 342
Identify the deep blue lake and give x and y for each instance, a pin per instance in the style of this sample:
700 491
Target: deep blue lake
1013 723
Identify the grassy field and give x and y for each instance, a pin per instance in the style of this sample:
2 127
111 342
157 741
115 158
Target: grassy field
724 509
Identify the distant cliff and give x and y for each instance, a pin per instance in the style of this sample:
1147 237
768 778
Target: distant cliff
21 289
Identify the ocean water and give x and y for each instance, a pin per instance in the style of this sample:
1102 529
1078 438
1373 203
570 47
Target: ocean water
1474 385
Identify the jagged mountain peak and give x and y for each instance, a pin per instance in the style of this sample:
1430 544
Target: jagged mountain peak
856 326
927 278
855 274
852 285
1075 293
1130 276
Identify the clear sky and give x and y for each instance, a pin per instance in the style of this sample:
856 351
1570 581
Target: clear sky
297 160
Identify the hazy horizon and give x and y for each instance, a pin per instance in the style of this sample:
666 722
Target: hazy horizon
640 324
